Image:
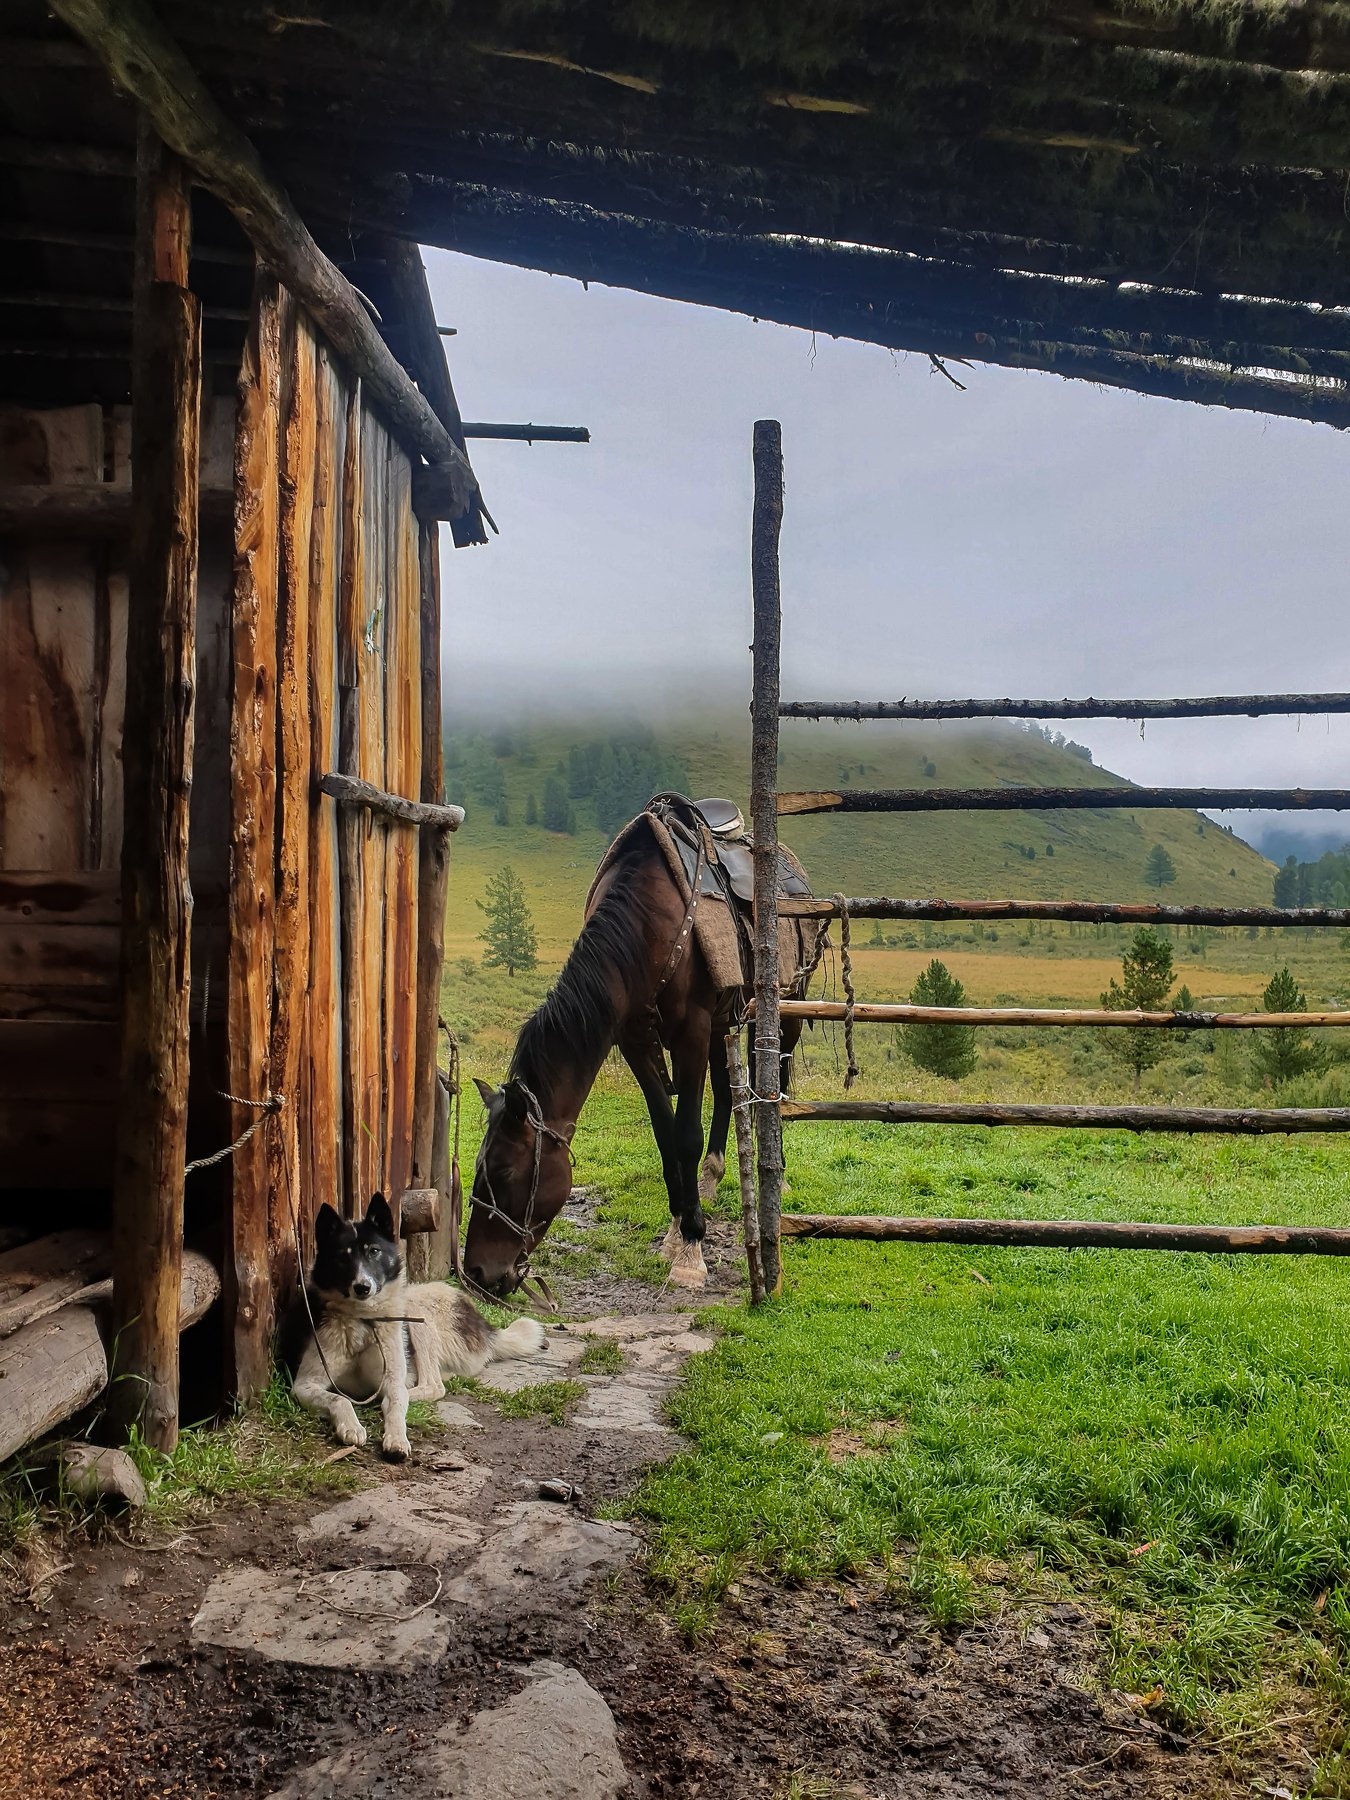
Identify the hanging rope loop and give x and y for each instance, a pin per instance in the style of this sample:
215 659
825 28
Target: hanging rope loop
852 1072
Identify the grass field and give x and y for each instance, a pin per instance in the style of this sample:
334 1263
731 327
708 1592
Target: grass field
1166 1437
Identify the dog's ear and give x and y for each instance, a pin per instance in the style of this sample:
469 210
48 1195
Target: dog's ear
326 1223
486 1092
379 1215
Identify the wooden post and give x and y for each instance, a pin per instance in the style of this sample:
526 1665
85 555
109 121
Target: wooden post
429 1253
157 774
745 1161
767 522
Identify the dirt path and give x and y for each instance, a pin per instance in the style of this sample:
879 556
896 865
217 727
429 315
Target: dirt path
450 1630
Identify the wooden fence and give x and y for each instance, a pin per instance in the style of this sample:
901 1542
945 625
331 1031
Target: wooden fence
762 1171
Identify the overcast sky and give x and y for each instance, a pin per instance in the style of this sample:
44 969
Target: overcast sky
1030 536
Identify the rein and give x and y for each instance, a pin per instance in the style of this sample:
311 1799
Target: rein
534 1117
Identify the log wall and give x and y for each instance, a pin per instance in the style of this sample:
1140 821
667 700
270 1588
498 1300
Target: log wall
63 613
323 903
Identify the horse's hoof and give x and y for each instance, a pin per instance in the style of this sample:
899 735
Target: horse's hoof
689 1270
710 1176
671 1244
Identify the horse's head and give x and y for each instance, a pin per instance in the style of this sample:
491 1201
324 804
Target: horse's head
520 1184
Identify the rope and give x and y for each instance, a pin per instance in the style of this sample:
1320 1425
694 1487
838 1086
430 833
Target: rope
852 1072
265 1108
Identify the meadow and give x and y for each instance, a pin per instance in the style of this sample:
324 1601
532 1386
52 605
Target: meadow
1166 1438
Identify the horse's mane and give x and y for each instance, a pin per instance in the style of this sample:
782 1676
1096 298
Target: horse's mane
574 1026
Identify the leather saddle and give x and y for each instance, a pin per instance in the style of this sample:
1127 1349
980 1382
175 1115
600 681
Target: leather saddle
725 863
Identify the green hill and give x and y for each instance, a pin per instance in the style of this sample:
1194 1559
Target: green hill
494 769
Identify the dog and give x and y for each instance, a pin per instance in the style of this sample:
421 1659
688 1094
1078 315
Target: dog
370 1325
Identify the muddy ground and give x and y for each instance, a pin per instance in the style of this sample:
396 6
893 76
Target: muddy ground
106 1695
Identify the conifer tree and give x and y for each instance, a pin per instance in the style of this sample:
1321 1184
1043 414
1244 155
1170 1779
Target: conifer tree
1285 1051
942 1049
1146 981
509 933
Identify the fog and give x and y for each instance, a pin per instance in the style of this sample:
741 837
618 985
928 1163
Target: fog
1026 537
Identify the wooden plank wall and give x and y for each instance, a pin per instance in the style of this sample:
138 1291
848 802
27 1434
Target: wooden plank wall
323 941
62 686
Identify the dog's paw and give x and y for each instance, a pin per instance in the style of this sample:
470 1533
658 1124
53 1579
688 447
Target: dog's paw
396 1449
349 1429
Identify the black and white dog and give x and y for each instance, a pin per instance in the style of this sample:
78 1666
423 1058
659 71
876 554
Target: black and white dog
372 1331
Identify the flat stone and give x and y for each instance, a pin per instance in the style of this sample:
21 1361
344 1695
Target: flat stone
619 1404
557 1361
420 1521
657 1343
536 1552
555 1740
291 1616
457 1417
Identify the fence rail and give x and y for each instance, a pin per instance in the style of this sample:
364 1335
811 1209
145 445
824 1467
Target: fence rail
1080 912
1213 706
1239 1121
1043 799
885 1012
1075 1234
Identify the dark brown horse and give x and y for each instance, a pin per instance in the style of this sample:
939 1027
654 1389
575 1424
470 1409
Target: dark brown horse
613 990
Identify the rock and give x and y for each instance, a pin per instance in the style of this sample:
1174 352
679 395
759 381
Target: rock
293 1616
457 1417
617 1403
99 1476
419 1521
554 1740
555 1362
537 1555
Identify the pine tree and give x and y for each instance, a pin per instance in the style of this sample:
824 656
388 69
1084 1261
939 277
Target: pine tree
500 814
1286 883
1146 981
1287 1050
531 809
556 814
509 933
1159 870
942 1049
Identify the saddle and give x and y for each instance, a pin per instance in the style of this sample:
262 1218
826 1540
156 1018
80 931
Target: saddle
715 847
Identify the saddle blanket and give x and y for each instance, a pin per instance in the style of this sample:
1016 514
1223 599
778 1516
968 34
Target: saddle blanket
723 938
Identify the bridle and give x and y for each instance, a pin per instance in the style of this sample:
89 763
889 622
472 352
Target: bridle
487 1200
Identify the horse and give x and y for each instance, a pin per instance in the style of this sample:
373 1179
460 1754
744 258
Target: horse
617 988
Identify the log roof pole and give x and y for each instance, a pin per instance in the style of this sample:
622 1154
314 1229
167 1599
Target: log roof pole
157 743
144 61
407 277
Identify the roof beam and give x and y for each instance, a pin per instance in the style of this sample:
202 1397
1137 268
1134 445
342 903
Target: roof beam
144 61
830 293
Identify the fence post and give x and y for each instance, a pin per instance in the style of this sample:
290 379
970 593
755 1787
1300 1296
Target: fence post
767 521
745 1164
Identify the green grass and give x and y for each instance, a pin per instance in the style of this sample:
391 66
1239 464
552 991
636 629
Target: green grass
602 1356
275 1451
1054 1417
551 1400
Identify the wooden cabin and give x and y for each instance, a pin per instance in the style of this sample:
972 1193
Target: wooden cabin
223 843
228 434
